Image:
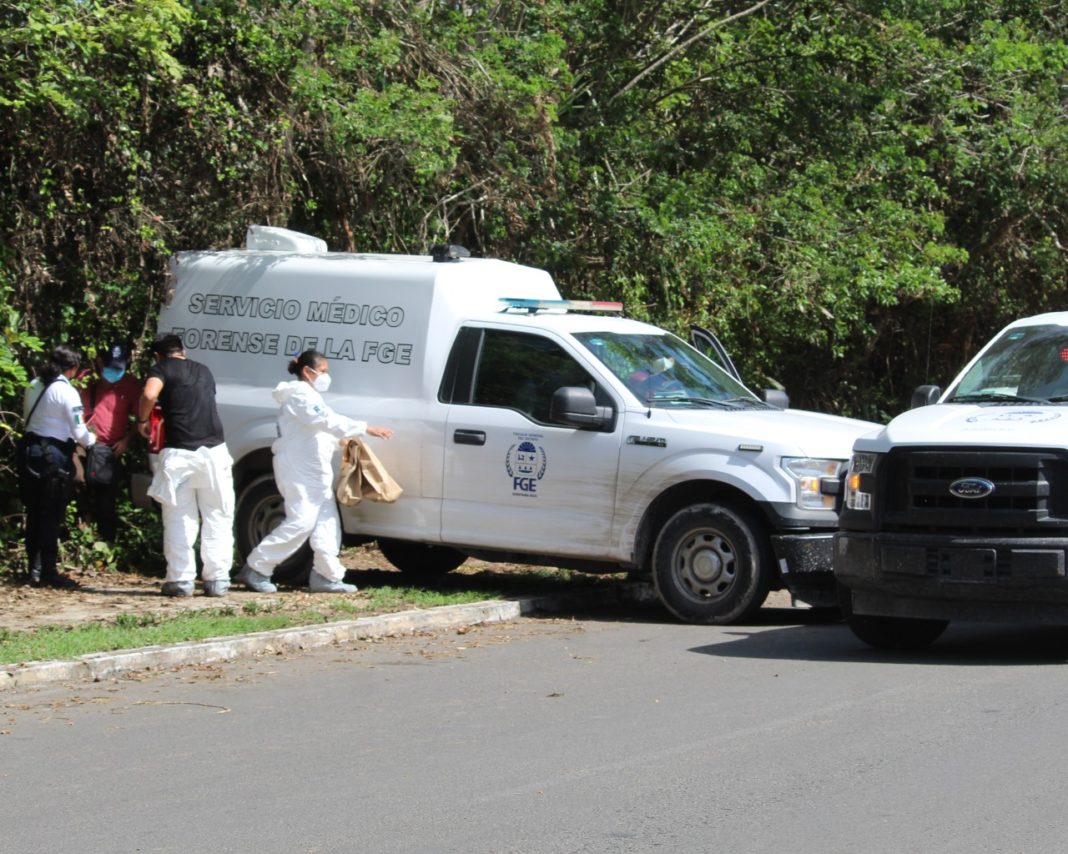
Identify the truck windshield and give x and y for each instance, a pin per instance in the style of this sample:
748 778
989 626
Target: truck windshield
663 370
1027 364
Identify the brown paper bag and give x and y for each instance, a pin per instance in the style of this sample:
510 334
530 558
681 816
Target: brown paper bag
362 476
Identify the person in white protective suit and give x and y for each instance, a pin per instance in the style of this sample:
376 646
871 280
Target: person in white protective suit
193 480
309 435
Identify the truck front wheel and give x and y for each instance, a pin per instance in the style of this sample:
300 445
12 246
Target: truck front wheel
889 633
711 565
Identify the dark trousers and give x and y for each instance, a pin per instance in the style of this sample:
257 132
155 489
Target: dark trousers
99 502
45 482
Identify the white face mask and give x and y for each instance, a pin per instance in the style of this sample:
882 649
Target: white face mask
321 383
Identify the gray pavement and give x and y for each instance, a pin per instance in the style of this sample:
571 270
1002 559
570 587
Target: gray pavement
625 733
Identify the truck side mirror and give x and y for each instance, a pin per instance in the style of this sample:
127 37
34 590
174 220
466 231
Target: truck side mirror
576 406
775 397
925 395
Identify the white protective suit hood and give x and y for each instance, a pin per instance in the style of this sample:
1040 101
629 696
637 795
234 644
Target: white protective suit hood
284 390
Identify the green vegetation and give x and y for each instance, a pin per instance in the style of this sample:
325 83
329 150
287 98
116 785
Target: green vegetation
381 591
852 193
128 631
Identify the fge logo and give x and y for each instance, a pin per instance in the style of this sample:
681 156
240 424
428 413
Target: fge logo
525 463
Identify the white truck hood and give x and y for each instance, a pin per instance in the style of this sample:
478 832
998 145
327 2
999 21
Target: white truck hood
960 424
794 432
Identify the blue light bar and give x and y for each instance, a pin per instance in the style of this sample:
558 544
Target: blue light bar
533 305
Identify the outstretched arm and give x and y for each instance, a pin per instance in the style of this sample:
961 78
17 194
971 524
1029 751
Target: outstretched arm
149 397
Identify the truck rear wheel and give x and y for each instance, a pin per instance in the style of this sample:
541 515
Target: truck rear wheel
260 509
711 565
889 633
419 559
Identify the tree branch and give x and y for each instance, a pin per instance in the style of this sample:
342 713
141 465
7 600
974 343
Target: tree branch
715 25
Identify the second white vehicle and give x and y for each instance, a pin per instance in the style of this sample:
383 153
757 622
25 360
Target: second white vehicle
958 509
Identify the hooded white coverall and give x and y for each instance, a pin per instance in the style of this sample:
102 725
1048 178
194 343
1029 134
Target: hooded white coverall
304 453
190 486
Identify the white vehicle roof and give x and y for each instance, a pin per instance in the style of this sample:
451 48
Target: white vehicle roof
1030 425
1051 318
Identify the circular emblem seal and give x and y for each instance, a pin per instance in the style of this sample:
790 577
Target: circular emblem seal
525 460
971 487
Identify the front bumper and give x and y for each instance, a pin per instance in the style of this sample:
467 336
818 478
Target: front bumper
805 564
949 577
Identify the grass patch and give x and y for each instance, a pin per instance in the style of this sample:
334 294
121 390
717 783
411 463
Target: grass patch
380 593
129 631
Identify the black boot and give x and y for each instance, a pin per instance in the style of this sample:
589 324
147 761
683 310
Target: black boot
59 580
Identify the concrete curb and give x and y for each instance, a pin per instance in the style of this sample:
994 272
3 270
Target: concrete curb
102 665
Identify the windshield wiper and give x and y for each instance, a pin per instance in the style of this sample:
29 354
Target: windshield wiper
749 403
995 397
683 398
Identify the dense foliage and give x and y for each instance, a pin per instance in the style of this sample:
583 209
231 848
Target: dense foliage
852 193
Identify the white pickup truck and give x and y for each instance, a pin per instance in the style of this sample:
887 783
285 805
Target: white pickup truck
958 509
528 428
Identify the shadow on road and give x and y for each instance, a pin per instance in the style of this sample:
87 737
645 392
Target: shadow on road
964 644
601 598
772 633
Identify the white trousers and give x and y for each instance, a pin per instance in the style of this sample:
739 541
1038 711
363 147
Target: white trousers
196 492
311 515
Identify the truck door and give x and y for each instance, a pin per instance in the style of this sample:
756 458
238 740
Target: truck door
513 480
705 341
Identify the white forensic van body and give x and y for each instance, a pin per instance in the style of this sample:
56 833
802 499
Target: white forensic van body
958 508
719 495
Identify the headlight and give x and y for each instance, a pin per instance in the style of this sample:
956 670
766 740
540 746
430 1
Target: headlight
809 475
859 483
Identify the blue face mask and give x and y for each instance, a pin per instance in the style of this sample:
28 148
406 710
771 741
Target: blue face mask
113 375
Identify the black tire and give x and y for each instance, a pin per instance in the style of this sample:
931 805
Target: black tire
419 559
889 633
712 565
260 509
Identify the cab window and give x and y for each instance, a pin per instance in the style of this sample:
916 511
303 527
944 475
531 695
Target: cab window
521 371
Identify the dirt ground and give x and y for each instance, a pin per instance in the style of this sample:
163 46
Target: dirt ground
104 595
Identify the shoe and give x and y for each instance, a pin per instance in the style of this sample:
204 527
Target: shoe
319 584
179 589
216 589
32 576
59 581
257 582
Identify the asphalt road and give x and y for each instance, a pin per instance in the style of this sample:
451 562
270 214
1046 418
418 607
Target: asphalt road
559 736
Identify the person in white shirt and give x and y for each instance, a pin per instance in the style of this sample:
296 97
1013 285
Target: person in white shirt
52 409
309 431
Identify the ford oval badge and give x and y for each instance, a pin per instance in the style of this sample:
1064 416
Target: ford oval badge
971 487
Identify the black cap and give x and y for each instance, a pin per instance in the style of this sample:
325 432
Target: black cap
116 356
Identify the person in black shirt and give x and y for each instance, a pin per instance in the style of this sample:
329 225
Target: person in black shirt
194 479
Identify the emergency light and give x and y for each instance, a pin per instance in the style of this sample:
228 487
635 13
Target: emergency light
535 305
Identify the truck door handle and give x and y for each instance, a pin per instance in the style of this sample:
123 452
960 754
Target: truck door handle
469 437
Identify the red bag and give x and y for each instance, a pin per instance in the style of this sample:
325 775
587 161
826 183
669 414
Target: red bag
155 429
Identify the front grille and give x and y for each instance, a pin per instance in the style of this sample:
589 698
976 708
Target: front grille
1029 494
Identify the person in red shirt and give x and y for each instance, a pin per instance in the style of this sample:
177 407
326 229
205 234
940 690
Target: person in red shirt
110 402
